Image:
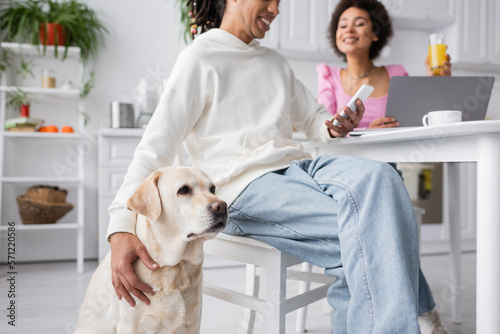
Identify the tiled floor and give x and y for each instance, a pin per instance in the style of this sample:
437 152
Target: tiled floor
49 295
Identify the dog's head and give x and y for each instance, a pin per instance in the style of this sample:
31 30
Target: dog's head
181 209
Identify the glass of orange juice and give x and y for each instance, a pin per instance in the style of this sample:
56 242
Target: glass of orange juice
437 52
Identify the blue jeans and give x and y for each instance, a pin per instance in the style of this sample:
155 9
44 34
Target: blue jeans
354 218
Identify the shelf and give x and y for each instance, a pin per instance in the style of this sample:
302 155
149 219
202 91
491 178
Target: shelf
40 180
41 135
32 227
52 93
122 132
37 50
55 100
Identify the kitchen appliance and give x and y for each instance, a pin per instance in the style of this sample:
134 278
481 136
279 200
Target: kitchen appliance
122 115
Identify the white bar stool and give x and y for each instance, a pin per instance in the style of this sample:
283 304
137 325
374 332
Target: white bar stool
271 266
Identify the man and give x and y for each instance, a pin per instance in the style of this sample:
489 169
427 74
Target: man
233 104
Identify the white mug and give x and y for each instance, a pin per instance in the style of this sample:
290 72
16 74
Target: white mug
441 117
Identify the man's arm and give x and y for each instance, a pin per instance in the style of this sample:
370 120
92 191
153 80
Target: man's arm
315 121
172 121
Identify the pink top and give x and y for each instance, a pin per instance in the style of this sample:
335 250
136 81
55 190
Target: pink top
332 95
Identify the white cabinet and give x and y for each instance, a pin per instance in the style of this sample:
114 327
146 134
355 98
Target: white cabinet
474 40
300 24
301 29
34 158
494 32
468 43
426 15
116 151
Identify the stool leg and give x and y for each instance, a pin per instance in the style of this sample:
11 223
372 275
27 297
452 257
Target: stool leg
273 314
252 289
304 286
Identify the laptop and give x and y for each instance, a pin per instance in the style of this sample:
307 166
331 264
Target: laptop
410 98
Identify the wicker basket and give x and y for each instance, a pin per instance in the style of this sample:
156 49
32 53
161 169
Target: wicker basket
48 194
43 205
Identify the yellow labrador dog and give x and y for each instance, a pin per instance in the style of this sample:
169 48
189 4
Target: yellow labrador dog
177 212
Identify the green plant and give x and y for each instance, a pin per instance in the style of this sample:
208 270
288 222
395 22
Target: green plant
21 22
87 86
26 68
17 98
82 25
185 20
4 61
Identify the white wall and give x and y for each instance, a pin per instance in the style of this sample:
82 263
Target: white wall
145 37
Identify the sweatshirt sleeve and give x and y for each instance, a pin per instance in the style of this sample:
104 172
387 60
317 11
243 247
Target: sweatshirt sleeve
308 115
171 123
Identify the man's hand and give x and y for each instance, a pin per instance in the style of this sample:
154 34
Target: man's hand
347 124
383 122
125 249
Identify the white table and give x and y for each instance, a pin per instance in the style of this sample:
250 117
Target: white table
477 141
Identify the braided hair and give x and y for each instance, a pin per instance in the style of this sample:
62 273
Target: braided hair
205 14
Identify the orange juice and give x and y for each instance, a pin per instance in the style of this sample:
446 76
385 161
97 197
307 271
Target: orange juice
437 57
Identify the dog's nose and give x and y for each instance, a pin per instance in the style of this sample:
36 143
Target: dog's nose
219 207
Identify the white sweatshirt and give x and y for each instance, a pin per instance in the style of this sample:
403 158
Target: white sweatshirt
233 106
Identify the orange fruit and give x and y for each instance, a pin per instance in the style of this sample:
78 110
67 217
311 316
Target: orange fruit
67 129
52 128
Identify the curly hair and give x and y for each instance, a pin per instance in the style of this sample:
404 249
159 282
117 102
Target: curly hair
207 14
381 23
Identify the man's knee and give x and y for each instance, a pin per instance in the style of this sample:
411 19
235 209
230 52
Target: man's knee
380 170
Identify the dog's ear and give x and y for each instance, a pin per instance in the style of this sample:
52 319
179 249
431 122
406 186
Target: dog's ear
146 199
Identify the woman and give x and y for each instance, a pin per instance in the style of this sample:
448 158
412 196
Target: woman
359 38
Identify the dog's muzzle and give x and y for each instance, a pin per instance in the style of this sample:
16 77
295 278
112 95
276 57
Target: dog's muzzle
220 216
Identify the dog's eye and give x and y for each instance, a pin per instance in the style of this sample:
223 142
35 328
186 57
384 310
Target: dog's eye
184 190
212 189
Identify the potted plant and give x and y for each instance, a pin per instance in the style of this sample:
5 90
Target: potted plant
19 100
21 21
31 21
52 32
82 25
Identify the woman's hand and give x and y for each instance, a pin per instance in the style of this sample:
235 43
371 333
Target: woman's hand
445 72
347 125
125 249
383 122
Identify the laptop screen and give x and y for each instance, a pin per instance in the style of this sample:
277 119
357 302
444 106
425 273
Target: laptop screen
410 98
